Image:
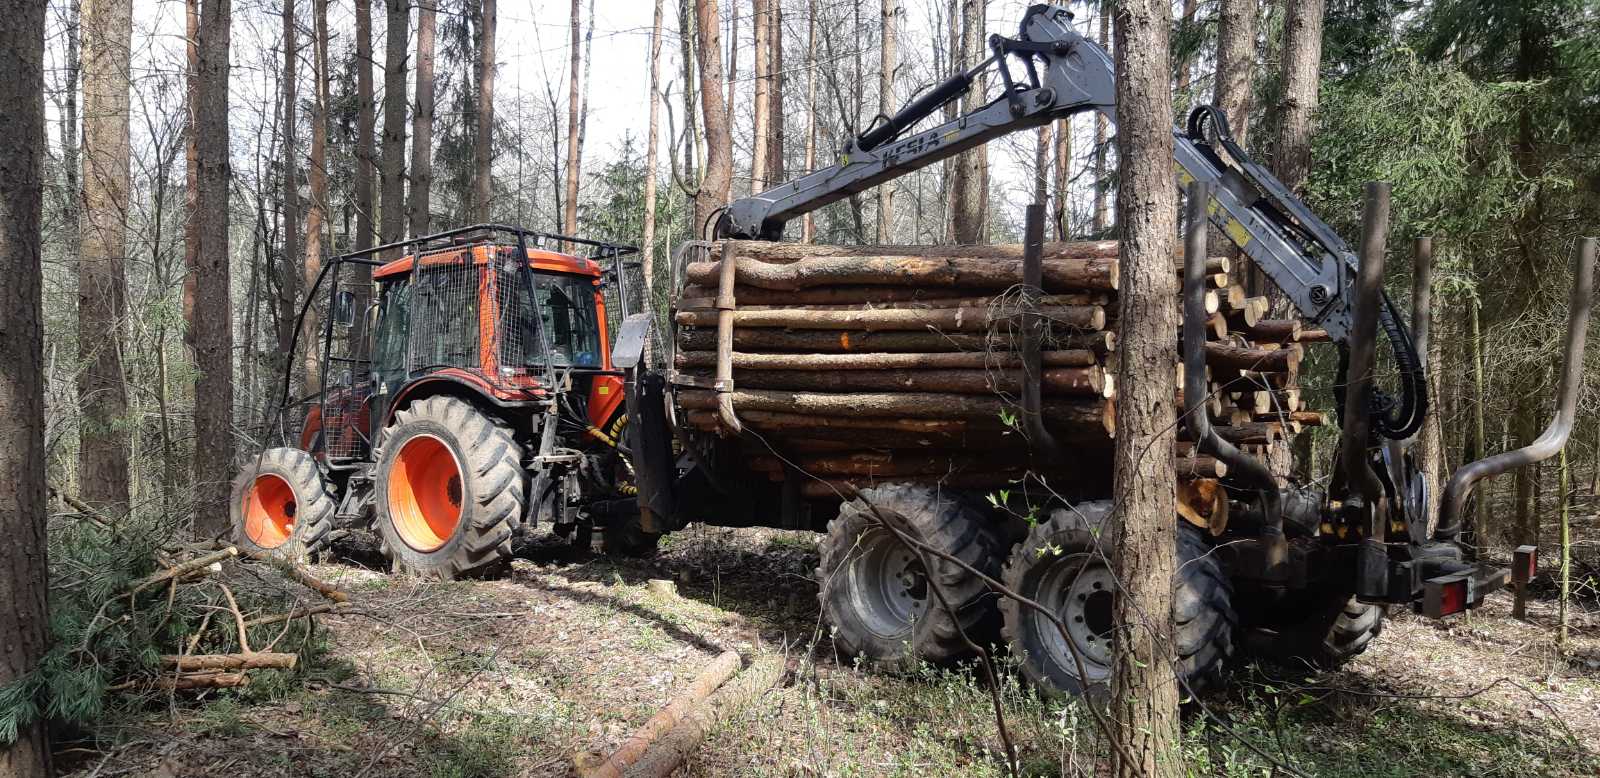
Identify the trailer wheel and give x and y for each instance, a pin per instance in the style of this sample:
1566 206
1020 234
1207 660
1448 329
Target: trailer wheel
1330 633
281 505
875 590
450 490
1064 565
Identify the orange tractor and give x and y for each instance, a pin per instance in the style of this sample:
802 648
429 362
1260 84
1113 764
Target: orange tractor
462 397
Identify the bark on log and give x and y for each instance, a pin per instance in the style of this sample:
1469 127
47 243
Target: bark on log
302 575
830 342
202 681
861 298
184 569
1281 360
713 676
1275 331
675 747
1083 317
1308 418
1254 432
1078 381
920 271
1200 467
916 405
885 361
1314 336
255 660
777 252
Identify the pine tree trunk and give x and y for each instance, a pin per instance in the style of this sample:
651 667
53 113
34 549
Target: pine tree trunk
1429 449
1102 136
891 11
1302 59
718 179
366 124
759 21
191 164
583 110
418 205
213 320
777 80
968 193
569 220
1480 512
1063 182
691 106
483 143
24 580
1144 689
102 284
1236 58
392 193
651 156
288 270
808 227
317 213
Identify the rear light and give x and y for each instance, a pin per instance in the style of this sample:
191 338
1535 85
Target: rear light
1446 595
1524 564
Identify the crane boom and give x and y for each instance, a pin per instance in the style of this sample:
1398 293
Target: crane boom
1064 73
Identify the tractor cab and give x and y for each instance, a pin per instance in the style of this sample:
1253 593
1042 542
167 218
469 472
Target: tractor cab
457 313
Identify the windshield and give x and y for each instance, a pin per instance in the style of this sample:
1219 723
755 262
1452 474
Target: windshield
567 308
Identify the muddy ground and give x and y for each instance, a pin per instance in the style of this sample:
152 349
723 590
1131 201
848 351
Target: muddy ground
571 650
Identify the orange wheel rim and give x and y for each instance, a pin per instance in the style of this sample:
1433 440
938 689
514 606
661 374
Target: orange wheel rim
425 493
269 509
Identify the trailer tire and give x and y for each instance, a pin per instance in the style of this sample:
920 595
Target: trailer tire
450 490
874 590
282 506
1064 565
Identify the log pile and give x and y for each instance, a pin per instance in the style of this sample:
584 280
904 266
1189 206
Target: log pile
864 363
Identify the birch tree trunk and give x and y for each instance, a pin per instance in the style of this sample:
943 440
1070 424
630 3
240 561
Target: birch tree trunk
24 580
718 179
1144 689
483 145
102 285
886 107
419 204
213 319
392 193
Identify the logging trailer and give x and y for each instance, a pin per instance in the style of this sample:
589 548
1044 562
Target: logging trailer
960 394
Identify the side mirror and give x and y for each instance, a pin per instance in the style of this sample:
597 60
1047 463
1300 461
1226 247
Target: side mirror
344 308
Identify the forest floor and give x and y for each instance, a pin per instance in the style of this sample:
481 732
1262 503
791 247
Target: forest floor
571 651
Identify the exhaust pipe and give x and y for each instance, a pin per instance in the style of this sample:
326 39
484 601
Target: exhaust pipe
1249 470
1555 436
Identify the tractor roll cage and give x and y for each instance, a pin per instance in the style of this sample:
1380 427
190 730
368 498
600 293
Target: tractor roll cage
525 239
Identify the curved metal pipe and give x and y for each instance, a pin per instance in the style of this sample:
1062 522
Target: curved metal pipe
1555 436
1249 470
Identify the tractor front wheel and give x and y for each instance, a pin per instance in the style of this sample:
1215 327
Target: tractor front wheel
281 505
450 490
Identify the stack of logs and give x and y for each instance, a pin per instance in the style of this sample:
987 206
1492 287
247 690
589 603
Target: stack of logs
868 363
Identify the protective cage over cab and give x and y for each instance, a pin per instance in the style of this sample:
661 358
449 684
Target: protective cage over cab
456 312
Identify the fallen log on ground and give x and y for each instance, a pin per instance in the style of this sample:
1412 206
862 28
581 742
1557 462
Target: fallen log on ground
713 676
675 747
254 660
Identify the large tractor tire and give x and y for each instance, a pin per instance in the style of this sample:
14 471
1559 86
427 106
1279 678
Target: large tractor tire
875 590
1329 631
1064 565
450 490
281 505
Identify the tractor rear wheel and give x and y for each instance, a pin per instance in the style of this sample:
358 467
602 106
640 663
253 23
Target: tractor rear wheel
876 591
281 505
1065 566
450 490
